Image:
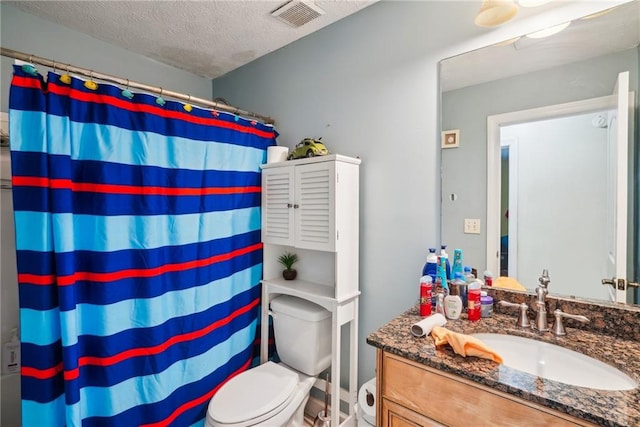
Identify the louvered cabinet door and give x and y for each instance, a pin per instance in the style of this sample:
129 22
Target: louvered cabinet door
277 206
314 206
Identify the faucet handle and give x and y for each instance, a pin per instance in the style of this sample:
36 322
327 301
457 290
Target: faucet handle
544 279
523 319
558 326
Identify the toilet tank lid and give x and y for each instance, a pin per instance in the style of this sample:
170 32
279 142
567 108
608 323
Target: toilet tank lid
298 308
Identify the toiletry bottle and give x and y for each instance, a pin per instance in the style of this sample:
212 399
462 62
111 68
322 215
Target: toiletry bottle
486 302
426 291
440 303
488 278
445 255
452 306
442 268
437 287
459 287
457 263
474 308
11 354
431 266
468 276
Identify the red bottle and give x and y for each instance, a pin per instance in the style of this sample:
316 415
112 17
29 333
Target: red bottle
426 290
474 307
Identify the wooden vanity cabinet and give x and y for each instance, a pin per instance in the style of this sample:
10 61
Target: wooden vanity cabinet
412 394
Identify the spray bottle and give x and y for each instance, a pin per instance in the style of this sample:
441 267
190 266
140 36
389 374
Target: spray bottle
444 255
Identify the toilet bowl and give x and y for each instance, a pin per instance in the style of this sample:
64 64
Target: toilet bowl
270 394
275 394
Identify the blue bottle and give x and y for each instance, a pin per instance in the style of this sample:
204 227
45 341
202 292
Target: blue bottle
442 275
457 263
431 266
445 256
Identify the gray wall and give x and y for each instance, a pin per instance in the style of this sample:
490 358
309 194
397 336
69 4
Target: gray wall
464 168
370 89
369 86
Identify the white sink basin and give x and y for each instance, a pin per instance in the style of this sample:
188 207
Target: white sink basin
556 363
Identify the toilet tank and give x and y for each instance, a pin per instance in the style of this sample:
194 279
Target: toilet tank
302 332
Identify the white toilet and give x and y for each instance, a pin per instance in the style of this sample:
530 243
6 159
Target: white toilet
275 394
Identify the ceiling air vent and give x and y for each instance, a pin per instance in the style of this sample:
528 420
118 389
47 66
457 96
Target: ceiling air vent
297 13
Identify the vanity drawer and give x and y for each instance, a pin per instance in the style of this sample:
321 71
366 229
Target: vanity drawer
454 401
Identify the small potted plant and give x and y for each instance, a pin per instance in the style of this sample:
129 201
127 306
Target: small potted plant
287 259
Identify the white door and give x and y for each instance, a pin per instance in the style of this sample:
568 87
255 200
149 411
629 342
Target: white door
617 166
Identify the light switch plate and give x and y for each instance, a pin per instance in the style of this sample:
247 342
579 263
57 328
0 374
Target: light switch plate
472 226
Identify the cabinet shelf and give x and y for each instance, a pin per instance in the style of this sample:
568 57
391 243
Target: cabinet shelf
315 292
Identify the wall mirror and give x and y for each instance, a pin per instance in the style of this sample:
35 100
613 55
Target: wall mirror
547 102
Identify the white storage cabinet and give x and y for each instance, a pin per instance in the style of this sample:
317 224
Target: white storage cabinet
310 207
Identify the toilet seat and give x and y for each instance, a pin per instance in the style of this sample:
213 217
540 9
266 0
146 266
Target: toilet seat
254 396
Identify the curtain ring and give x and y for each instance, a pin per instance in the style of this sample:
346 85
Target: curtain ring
54 66
91 85
159 100
187 107
30 58
126 92
66 78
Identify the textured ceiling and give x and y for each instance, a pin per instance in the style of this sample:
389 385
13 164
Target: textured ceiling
212 37
208 38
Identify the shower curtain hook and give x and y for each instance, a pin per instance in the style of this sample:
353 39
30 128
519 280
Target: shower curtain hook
29 68
126 92
90 84
66 78
54 66
187 107
159 100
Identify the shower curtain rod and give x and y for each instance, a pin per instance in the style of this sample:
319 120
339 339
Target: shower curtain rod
129 83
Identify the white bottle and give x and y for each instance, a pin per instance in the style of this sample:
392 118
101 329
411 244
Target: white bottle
452 306
11 354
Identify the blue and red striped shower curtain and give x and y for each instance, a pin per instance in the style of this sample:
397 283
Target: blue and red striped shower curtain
139 254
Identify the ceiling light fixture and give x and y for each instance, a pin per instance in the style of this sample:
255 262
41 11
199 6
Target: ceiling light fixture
548 31
495 12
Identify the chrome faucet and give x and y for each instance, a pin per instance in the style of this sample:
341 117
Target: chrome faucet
542 291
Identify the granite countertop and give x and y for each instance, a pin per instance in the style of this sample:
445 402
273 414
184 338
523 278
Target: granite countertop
601 407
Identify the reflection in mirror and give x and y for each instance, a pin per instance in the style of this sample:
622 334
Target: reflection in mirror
579 64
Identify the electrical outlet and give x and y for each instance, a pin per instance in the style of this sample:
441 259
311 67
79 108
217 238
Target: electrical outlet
472 226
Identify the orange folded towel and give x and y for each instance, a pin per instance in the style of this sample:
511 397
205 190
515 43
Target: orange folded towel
508 283
464 345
